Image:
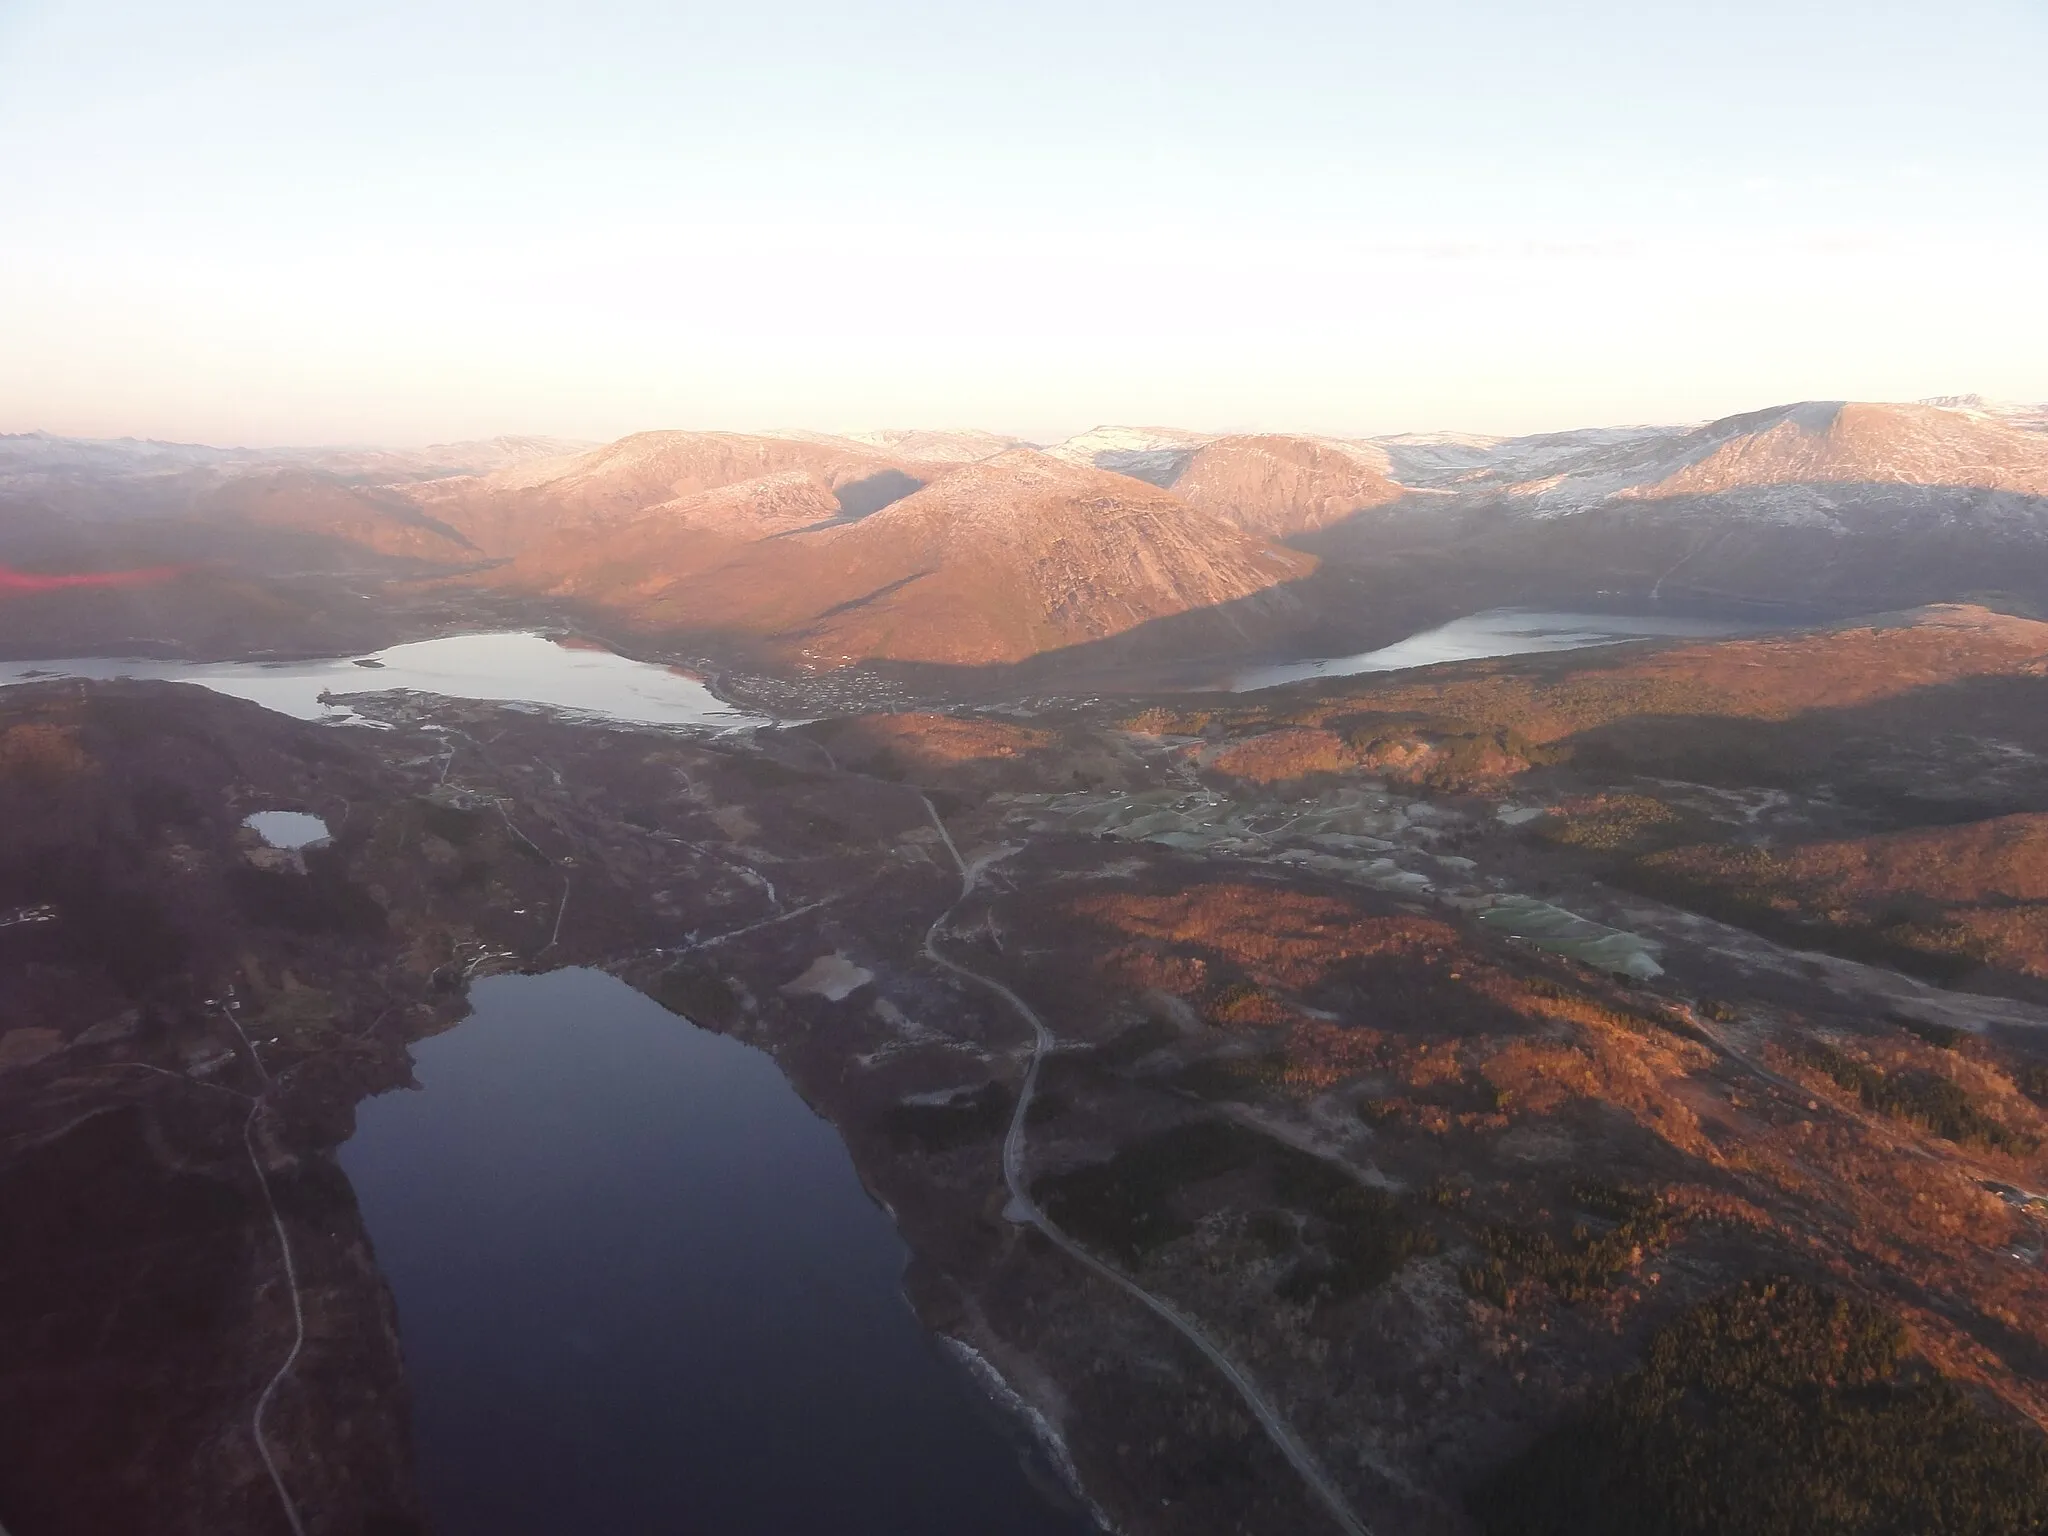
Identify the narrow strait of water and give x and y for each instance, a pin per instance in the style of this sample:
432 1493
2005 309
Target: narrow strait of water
641 1290
1497 632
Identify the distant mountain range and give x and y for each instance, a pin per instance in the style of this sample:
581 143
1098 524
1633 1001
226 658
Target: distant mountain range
33 454
988 562
1792 451
971 548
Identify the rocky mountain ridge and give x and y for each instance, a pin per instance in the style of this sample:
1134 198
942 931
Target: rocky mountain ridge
990 563
804 545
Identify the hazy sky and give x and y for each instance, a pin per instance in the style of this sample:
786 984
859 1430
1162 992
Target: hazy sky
240 220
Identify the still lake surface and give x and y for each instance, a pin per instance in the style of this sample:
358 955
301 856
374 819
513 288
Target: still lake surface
1497 632
287 829
525 667
511 666
641 1289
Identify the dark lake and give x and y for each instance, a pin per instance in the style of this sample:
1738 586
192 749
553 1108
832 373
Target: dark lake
641 1289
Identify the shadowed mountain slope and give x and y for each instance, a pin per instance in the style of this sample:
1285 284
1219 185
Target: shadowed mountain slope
629 559
370 517
990 564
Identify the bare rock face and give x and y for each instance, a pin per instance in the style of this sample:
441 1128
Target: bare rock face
994 563
1276 485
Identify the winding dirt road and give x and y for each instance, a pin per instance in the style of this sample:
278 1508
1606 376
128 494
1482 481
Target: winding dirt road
291 1280
1023 1208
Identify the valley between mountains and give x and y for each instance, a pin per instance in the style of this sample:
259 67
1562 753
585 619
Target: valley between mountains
963 564
1595 1091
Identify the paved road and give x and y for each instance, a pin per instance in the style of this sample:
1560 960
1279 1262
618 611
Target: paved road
1023 1208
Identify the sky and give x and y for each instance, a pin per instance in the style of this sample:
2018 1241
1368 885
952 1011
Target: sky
237 221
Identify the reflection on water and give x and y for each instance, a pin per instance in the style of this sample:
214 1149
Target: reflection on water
512 666
640 1288
1497 632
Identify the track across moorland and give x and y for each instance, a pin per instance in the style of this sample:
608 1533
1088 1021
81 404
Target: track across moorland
1024 1209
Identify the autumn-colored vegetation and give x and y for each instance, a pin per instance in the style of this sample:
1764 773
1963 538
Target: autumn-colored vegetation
1776 1409
1276 937
2004 859
1927 1099
1625 1147
1612 823
1426 753
1764 679
1634 1223
1938 898
1277 756
1486 721
41 754
931 741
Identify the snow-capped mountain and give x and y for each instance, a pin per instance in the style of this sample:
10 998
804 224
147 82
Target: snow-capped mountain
939 447
2028 418
1153 454
1813 463
1460 462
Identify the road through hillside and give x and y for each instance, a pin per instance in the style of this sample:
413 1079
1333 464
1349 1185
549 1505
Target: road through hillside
1024 1209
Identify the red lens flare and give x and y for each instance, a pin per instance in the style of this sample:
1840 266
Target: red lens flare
12 580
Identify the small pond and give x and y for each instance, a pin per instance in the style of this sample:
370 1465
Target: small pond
287 829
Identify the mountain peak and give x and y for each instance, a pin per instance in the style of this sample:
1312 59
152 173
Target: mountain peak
1837 442
1277 485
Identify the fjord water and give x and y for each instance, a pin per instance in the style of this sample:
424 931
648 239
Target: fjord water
511 666
640 1288
1496 632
